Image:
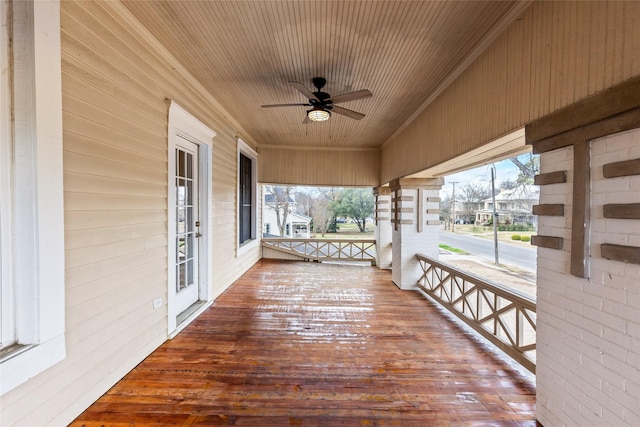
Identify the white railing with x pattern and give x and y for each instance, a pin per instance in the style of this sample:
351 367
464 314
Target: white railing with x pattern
503 316
325 249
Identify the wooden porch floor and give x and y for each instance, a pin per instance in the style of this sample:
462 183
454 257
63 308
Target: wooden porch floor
308 344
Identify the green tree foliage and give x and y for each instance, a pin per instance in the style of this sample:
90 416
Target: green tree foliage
354 203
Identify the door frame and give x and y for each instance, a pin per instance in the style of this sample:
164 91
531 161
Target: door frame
181 124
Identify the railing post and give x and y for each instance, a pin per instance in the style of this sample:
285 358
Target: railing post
416 226
382 227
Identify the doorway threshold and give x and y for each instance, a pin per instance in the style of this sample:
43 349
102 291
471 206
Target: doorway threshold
189 315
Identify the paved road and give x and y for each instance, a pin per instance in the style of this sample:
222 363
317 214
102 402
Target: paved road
517 256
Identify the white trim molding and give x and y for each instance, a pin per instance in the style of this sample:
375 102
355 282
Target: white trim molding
181 124
37 226
247 150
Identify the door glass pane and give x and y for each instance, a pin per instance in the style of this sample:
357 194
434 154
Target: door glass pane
188 197
181 160
189 165
189 271
182 195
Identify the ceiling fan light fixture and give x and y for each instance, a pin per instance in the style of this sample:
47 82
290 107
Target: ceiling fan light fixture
317 114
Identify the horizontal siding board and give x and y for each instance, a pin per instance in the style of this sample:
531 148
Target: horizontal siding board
155 161
78 125
96 184
103 252
126 106
99 288
89 220
107 118
97 236
109 267
106 202
102 311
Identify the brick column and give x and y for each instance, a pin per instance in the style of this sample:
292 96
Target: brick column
416 226
382 230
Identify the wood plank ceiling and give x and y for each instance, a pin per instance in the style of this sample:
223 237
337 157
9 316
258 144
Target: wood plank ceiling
245 52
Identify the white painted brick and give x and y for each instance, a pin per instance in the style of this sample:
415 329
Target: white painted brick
613 156
615 185
588 329
621 196
626 399
632 418
602 318
598 238
609 418
621 142
596 150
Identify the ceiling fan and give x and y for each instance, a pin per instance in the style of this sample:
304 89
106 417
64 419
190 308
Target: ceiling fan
322 104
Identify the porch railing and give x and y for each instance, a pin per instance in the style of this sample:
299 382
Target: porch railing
503 316
325 249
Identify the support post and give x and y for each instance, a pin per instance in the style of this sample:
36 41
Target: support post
416 226
382 227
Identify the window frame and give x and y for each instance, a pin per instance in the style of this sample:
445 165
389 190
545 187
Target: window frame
36 269
253 241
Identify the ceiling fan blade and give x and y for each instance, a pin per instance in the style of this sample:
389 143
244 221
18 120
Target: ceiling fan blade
351 96
284 105
347 112
303 90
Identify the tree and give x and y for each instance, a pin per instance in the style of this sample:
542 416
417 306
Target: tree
355 203
472 197
282 203
321 213
445 212
528 170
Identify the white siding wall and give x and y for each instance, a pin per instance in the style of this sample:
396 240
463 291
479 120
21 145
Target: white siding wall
115 85
588 371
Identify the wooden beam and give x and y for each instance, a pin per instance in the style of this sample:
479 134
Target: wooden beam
618 123
547 242
617 169
558 177
549 210
581 211
610 102
622 211
630 254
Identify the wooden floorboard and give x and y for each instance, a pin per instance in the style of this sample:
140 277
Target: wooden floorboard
310 344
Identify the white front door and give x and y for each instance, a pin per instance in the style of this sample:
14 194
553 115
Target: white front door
187 225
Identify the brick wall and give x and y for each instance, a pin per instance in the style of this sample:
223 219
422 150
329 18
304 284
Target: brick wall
588 361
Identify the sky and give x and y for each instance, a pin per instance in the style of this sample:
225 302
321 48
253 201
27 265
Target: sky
506 170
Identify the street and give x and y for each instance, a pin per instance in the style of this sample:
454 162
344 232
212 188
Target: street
512 255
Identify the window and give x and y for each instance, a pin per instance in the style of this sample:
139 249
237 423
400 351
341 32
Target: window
31 201
247 197
267 228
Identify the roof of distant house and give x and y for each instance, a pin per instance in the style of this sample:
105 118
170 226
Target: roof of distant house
268 198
